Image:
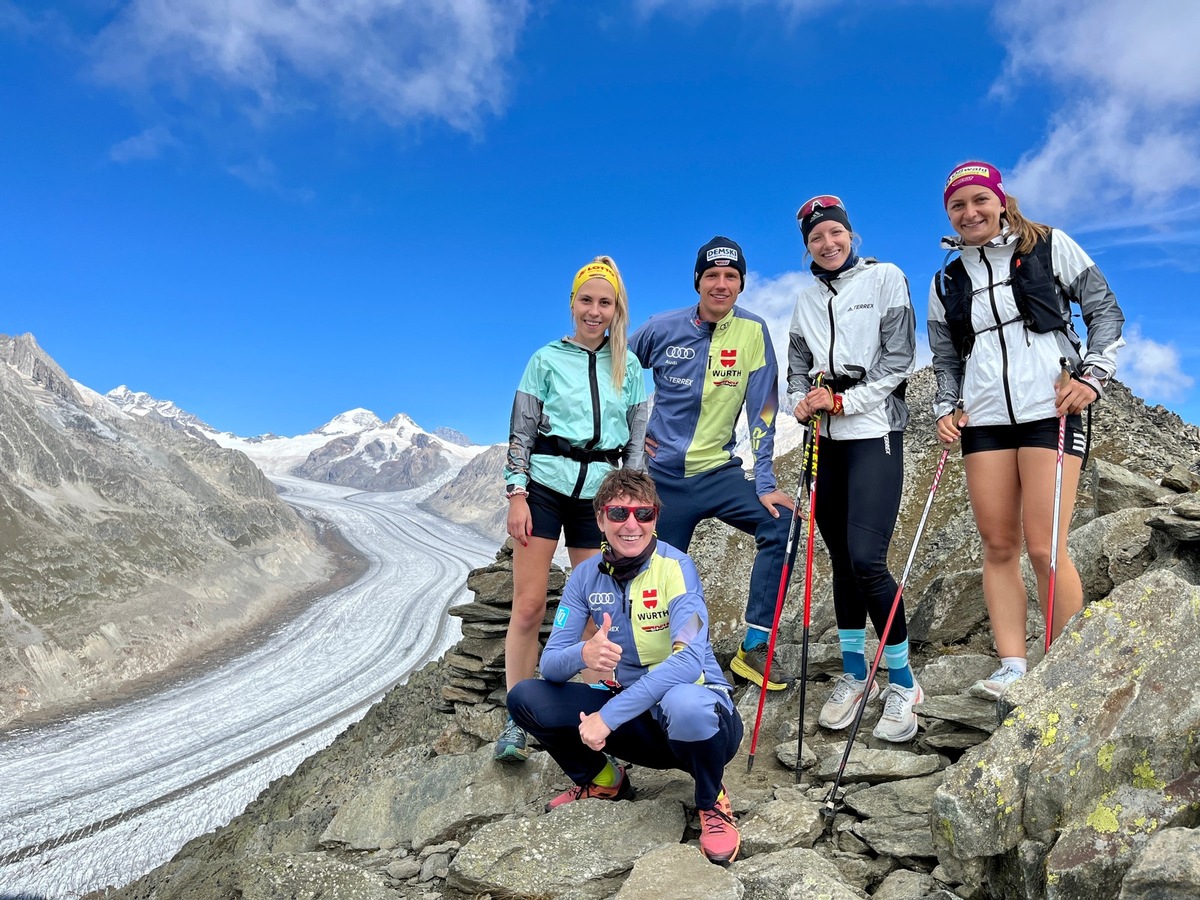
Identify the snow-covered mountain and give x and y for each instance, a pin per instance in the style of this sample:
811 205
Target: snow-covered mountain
355 448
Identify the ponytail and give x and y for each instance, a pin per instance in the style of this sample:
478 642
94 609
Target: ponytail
1028 232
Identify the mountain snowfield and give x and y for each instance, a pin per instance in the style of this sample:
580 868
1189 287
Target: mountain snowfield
357 434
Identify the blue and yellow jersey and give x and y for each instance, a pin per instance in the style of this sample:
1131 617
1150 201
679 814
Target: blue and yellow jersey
659 619
704 373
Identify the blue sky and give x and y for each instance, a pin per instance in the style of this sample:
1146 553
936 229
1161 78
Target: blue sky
271 212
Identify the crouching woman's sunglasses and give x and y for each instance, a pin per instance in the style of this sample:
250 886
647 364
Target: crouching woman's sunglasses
642 514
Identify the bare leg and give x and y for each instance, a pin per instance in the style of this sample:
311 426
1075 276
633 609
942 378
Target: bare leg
1037 465
531 571
994 485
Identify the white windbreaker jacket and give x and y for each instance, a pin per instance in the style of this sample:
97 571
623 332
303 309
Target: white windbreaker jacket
859 325
1009 376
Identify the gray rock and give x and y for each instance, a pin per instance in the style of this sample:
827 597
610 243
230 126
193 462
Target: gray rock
912 796
1113 549
898 836
904 884
780 824
1168 868
307 876
403 869
1180 479
946 736
602 839
796 873
436 865
681 873
1104 711
1116 488
786 754
954 673
876 766
1178 528
445 797
951 607
960 709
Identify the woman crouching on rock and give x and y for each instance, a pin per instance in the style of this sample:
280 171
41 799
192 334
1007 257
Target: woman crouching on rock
580 411
855 323
999 329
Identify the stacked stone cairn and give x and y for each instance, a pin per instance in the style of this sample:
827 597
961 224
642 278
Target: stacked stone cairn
476 690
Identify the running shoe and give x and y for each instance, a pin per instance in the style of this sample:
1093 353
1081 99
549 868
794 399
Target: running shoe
511 746
994 686
838 711
720 839
898 722
751 664
622 790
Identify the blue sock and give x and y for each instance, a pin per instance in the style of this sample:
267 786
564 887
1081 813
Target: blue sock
899 671
854 646
755 637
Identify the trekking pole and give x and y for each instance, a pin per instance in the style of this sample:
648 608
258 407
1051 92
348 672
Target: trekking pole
789 559
1064 379
808 570
831 799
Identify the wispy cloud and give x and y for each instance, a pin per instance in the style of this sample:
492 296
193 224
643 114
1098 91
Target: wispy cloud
1152 370
698 7
150 144
774 299
1126 137
399 60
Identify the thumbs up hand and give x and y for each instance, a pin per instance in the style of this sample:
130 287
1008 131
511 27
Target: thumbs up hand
599 653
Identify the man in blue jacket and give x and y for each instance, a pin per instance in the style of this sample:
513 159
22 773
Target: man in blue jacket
710 360
663 702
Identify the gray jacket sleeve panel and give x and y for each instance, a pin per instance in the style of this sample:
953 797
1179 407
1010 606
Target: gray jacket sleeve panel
946 363
634 456
800 363
898 348
522 432
1086 285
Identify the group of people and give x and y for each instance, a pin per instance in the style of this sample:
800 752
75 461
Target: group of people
626 486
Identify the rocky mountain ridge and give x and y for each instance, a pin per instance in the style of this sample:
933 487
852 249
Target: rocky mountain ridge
1083 785
126 543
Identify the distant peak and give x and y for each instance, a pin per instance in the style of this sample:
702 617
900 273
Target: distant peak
351 421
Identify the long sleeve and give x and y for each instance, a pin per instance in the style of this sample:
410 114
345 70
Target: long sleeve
947 366
762 405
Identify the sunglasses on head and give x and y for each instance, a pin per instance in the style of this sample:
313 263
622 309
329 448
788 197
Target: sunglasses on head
824 201
642 514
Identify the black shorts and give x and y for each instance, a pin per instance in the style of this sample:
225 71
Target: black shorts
557 514
1041 433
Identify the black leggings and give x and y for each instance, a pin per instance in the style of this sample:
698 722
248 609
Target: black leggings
858 498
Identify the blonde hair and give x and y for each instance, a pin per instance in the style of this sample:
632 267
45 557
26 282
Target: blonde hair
1028 231
617 341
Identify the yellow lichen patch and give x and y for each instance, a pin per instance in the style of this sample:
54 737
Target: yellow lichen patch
1075 770
1137 673
1104 818
1088 613
947 831
1144 777
1104 757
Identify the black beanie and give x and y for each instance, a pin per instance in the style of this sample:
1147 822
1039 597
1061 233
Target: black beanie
823 214
720 251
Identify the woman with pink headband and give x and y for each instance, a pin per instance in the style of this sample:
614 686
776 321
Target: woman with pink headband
580 411
1002 340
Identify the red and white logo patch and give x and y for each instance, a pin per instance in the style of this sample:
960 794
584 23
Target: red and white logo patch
729 358
650 598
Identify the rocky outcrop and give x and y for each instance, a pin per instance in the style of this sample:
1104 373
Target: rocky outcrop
124 545
475 495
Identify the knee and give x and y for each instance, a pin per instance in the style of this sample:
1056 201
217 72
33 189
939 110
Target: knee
689 712
1001 549
523 698
774 532
1039 557
528 613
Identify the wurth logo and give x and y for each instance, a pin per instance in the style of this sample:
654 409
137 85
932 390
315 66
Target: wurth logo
729 358
650 598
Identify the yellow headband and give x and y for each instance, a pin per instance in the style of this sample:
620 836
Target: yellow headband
595 270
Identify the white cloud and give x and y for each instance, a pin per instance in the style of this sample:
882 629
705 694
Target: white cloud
148 145
400 60
774 299
1127 131
689 8
1152 370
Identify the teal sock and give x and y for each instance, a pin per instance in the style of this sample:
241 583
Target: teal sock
899 671
755 637
854 646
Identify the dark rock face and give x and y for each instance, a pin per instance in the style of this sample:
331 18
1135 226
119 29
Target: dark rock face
1084 783
124 543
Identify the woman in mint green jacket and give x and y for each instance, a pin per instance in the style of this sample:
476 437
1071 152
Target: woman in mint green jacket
580 411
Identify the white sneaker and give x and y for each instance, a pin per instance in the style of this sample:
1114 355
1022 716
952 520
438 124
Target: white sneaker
993 687
838 711
898 722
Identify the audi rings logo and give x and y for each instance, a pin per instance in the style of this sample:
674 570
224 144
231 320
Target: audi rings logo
681 353
601 599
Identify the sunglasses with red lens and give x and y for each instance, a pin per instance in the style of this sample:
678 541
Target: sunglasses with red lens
824 201
642 514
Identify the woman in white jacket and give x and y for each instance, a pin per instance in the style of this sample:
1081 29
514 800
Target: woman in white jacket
999 328
855 323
